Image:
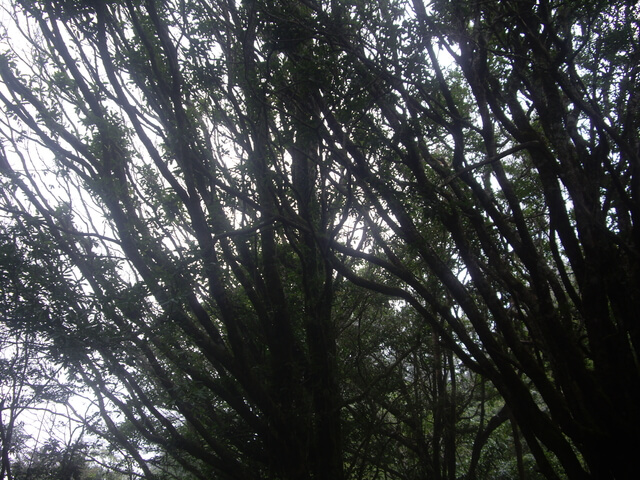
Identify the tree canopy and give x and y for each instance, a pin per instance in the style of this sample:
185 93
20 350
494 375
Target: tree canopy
329 239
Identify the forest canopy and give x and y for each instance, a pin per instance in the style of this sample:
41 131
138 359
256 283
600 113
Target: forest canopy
326 239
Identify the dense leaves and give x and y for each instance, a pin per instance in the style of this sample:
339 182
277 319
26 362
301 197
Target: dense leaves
335 239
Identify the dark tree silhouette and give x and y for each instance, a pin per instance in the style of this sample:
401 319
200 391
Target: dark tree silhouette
233 176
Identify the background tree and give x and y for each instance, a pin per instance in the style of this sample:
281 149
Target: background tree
227 176
30 383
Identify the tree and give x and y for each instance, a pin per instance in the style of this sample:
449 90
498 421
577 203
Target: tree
53 461
29 381
530 182
228 171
